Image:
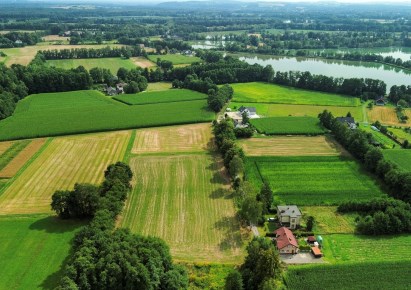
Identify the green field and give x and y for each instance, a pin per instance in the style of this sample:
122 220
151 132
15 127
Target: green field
176 59
316 180
90 111
33 250
113 64
401 157
379 137
288 126
401 134
207 276
269 93
157 97
329 221
382 275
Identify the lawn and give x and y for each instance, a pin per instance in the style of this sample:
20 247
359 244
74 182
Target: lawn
268 93
156 97
113 64
312 180
382 275
329 221
290 146
401 157
284 110
288 126
173 139
33 250
90 111
185 200
64 162
176 59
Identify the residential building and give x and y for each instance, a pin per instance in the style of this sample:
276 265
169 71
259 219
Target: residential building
289 216
286 242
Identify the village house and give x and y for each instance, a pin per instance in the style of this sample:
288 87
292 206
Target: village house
349 121
120 88
111 91
380 102
250 111
289 216
286 242
237 116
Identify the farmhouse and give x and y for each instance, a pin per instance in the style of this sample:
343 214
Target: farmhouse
250 111
380 102
111 91
238 116
349 121
120 88
289 216
286 242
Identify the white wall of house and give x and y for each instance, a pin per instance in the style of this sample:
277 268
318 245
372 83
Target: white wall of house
290 249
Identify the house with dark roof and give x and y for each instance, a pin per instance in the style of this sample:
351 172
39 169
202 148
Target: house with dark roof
380 102
250 111
289 216
111 91
286 242
349 121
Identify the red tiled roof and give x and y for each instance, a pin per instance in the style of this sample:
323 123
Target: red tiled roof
316 251
311 239
285 237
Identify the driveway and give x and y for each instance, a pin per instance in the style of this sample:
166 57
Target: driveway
301 258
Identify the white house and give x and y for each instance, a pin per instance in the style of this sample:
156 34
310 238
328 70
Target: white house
289 216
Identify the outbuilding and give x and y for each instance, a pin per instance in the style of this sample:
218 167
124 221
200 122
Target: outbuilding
316 252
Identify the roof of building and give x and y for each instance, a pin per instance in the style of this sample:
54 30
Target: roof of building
249 109
285 238
311 239
316 251
289 210
349 120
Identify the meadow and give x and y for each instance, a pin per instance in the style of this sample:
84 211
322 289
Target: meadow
268 93
379 137
312 180
113 64
77 112
33 250
401 134
329 221
284 110
288 126
387 275
185 200
290 146
176 59
63 162
401 157
157 97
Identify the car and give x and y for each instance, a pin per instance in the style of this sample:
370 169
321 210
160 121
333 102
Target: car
271 219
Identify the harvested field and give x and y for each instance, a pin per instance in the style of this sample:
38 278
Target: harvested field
64 162
290 146
11 152
186 138
185 200
142 62
18 162
55 38
160 86
4 146
386 115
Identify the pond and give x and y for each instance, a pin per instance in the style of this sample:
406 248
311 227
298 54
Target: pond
335 68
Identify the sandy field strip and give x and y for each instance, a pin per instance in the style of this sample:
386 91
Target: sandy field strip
142 62
4 146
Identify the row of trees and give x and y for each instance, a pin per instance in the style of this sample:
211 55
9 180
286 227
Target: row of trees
107 258
398 93
77 53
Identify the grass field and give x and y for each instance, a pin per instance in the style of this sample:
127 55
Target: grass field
314 180
176 59
10 150
157 97
382 275
142 62
289 146
64 162
207 276
90 111
33 250
387 116
160 86
113 64
329 221
284 110
185 200
173 139
401 134
401 157
288 126
269 93
379 137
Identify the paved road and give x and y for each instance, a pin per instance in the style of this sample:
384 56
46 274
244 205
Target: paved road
301 258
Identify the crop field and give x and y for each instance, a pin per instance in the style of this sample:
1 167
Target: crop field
387 275
21 158
312 180
401 157
157 97
64 162
289 146
184 199
387 116
90 111
284 110
176 59
288 126
10 151
185 138
4 146
113 64
269 93
33 249
329 221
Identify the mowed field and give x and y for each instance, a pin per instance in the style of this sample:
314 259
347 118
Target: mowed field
289 146
184 199
90 111
288 126
33 249
176 59
173 139
329 221
156 97
401 157
386 115
64 162
312 180
113 64
268 93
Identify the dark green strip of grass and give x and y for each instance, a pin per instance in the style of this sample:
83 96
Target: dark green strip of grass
12 152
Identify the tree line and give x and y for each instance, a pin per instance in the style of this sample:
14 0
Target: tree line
19 39
77 53
103 257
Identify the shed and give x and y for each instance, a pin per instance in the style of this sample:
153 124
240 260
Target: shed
316 252
311 239
320 240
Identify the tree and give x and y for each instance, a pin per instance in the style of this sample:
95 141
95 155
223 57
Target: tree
251 210
310 223
122 74
372 157
132 88
236 167
234 281
245 117
60 203
266 196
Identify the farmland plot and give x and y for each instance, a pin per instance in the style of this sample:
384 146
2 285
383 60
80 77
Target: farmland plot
113 63
64 162
184 200
176 59
10 151
156 97
288 126
329 221
401 157
386 115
